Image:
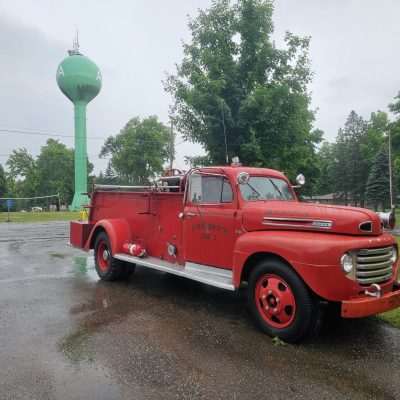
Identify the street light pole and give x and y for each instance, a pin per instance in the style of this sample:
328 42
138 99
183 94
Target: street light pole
390 170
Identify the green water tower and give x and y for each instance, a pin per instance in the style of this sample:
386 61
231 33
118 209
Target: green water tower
80 80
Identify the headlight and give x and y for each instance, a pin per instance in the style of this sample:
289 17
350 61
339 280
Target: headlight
347 263
393 259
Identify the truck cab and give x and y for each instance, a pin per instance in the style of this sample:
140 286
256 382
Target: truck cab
235 226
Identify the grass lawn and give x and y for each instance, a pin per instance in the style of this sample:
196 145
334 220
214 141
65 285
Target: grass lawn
39 216
392 317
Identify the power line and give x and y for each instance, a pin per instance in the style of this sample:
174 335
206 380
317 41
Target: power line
89 156
6 131
29 198
38 133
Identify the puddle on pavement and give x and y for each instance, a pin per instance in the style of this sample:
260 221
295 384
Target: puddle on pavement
57 255
102 308
84 267
74 346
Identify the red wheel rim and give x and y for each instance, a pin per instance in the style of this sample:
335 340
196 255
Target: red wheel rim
103 256
275 301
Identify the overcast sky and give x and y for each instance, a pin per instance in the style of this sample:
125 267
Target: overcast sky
354 52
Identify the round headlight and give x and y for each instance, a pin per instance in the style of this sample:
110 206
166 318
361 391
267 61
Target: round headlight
393 259
347 262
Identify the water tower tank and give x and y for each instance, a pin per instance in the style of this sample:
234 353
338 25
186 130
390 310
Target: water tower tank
80 80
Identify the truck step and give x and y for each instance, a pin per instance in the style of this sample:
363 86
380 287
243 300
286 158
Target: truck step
212 276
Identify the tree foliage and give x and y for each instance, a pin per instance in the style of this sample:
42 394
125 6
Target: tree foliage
22 171
3 182
344 165
235 90
377 191
55 170
51 172
395 135
139 151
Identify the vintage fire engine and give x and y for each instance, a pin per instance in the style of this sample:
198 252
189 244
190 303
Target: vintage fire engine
235 226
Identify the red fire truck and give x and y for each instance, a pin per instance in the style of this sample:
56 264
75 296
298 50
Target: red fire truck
235 226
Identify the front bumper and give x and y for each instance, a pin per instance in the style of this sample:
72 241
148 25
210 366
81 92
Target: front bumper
363 307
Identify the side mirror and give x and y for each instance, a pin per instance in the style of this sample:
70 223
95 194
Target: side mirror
300 181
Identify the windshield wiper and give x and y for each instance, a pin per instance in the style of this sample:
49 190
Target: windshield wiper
276 188
254 190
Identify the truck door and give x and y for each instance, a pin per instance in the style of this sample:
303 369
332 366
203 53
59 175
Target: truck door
209 220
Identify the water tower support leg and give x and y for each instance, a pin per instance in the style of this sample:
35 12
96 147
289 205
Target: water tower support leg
80 199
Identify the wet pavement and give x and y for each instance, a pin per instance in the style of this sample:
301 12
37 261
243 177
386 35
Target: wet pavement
65 335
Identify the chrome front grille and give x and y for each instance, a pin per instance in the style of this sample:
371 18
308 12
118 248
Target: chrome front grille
374 265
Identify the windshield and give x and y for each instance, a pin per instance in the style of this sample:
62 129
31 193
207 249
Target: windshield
265 188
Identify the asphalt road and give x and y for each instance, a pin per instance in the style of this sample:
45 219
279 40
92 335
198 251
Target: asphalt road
65 335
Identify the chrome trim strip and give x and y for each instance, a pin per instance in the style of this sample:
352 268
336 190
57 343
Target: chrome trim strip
312 223
212 276
376 266
294 219
383 257
127 188
361 274
380 250
379 279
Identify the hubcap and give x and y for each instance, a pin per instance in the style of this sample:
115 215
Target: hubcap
103 256
275 301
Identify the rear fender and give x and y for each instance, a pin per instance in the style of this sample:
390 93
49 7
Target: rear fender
117 230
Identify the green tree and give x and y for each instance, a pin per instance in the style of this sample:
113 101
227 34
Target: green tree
350 173
356 129
344 165
139 151
3 182
55 165
236 93
22 172
55 170
395 136
326 165
378 193
20 163
108 177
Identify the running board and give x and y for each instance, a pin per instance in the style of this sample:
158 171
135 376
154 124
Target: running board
212 276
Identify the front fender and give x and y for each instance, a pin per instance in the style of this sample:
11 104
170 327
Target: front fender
117 230
314 256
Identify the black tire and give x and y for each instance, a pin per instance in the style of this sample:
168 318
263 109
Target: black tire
108 268
296 321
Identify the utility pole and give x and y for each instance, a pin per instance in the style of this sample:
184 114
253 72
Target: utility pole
172 147
225 138
390 169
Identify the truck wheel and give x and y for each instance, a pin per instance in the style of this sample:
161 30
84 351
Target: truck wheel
107 267
281 303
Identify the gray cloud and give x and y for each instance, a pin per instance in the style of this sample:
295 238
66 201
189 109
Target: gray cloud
353 51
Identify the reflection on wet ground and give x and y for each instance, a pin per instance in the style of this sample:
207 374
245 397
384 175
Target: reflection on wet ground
66 335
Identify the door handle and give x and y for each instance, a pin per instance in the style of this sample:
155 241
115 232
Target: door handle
188 214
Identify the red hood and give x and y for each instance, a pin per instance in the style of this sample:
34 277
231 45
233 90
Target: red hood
293 215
